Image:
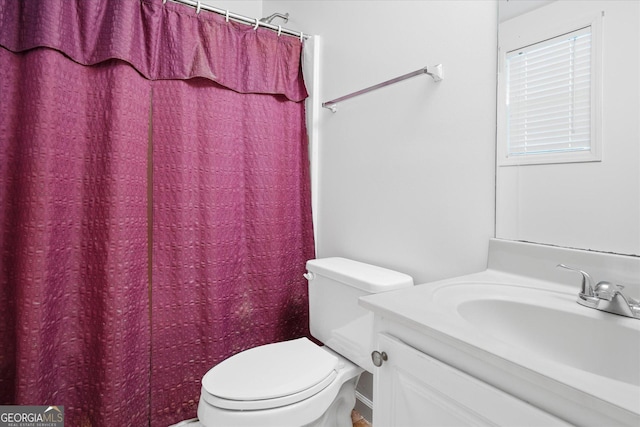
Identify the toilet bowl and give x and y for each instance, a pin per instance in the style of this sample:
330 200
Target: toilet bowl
299 383
290 383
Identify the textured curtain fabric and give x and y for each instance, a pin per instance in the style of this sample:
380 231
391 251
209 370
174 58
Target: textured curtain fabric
74 322
231 232
161 41
88 89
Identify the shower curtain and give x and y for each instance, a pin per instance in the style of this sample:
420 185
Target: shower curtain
74 224
155 206
231 230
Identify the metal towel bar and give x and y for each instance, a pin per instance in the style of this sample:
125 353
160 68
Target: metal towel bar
434 71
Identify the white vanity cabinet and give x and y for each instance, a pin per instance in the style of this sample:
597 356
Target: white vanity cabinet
508 346
412 388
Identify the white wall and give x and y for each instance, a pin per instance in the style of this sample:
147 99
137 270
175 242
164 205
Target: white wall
406 174
585 205
249 8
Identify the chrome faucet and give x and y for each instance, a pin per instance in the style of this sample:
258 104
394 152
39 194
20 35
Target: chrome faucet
605 296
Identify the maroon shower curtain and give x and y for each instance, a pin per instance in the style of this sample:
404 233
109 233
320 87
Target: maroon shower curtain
74 328
232 232
133 130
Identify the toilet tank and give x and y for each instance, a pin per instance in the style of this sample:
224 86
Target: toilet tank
335 318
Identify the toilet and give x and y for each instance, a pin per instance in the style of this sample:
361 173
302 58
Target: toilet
299 383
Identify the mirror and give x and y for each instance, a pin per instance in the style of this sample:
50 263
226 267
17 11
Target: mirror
593 203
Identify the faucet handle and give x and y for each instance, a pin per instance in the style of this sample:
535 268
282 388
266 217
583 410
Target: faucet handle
587 282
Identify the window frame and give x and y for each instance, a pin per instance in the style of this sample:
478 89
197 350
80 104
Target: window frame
534 36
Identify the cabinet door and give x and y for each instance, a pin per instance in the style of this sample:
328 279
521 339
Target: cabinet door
413 389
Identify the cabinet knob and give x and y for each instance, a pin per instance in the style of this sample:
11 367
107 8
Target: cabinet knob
378 358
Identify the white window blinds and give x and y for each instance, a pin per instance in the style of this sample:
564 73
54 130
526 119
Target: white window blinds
549 96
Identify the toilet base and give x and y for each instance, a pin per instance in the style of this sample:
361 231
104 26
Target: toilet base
339 412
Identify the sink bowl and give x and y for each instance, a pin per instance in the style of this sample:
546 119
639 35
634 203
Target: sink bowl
549 325
590 343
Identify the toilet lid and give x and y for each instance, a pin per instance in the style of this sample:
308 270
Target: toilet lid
270 372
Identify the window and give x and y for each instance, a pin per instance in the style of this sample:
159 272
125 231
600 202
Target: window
551 103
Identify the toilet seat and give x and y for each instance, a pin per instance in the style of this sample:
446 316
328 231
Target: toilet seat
270 376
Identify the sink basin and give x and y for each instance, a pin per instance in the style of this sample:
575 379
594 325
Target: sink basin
549 325
583 342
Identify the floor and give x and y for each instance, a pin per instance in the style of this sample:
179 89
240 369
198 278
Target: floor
358 420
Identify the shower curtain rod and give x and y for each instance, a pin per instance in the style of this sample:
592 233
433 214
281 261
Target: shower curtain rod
241 18
434 71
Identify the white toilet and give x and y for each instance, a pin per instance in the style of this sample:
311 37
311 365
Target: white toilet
298 383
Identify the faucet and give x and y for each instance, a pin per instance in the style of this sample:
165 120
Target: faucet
605 296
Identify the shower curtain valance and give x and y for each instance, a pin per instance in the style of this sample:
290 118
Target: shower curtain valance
161 41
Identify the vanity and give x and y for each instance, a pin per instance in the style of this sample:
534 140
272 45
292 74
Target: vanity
510 345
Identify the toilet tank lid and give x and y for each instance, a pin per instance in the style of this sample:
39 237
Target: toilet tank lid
367 277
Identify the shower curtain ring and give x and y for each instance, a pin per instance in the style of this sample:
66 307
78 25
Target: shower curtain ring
257 24
226 16
301 37
198 8
279 30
